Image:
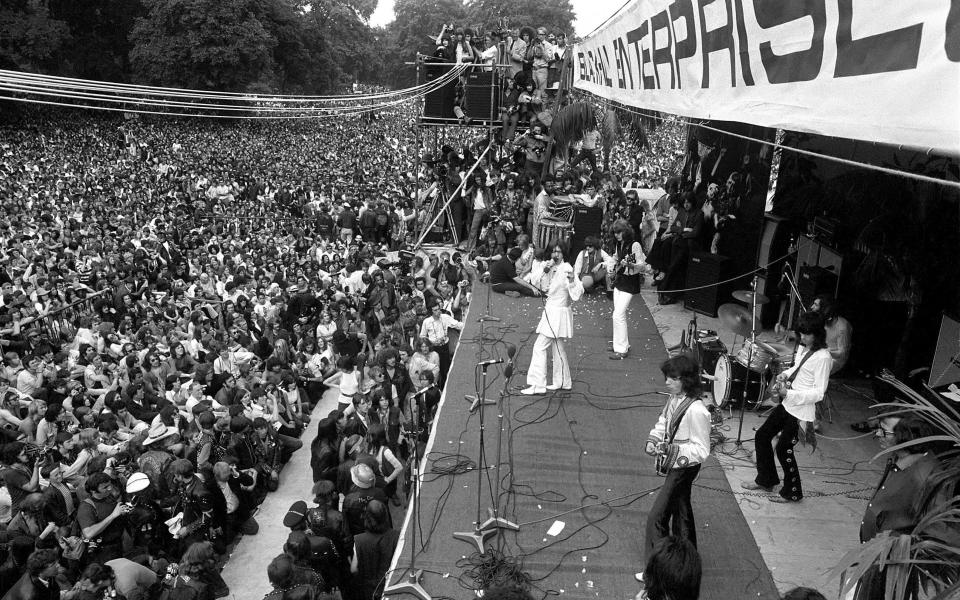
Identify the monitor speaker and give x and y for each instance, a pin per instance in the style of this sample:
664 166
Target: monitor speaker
483 96
705 271
438 104
586 221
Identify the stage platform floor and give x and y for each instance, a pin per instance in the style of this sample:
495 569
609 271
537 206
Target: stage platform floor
572 459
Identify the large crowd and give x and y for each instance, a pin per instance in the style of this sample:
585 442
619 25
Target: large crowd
176 297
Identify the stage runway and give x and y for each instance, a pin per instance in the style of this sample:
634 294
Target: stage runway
571 457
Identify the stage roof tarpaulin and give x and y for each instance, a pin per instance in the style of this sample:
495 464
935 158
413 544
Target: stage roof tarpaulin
863 69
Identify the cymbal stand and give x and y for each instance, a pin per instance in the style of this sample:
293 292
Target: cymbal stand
411 583
753 342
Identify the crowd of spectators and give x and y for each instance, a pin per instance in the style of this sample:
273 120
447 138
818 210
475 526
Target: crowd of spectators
175 300
175 297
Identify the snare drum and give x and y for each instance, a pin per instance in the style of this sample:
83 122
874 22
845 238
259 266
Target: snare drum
756 359
552 229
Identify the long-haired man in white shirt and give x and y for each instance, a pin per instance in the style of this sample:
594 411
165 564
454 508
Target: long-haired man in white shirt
800 388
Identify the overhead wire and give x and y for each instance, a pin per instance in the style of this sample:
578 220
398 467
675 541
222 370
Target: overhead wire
354 104
70 82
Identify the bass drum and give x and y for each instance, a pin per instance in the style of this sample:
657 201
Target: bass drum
722 381
729 378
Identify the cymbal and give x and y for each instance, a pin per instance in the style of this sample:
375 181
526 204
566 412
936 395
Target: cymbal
737 319
747 296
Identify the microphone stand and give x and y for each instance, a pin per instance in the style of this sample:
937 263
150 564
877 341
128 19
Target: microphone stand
411 583
478 536
484 530
486 316
495 521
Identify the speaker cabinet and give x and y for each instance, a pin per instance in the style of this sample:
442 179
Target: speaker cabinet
483 96
438 104
813 281
705 271
586 222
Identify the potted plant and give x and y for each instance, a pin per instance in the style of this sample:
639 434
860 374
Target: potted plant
921 563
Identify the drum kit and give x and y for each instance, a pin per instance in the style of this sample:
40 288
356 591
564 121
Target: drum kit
740 376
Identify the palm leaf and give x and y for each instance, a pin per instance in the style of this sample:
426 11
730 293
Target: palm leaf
571 122
610 129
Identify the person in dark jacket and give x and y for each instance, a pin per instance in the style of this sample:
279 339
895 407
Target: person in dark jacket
323 451
39 580
372 551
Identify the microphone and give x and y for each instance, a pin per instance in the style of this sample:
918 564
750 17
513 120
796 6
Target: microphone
511 352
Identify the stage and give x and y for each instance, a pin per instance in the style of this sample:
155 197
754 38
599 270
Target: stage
575 457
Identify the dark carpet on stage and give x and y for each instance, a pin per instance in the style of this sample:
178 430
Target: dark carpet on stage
575 457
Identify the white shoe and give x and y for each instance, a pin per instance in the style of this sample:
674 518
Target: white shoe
533 391
554 386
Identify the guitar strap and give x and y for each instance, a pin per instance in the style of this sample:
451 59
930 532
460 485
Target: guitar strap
797 370
677 417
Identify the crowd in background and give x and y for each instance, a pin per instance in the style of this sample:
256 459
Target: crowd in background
175 297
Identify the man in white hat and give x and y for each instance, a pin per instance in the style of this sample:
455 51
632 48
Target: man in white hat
362 492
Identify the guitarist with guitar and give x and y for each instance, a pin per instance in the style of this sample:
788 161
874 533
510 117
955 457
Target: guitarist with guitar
626 266
680 441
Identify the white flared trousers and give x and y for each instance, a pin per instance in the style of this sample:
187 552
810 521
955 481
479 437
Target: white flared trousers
621 302
537 371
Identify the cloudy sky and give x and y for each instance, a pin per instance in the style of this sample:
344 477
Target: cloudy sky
590 13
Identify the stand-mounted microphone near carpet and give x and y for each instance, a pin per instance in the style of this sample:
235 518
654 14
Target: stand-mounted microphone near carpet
476 400
483 530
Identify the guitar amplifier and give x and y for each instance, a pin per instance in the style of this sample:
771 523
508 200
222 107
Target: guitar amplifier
705 271
587 221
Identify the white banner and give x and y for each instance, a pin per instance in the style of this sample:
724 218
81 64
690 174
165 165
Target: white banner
879 70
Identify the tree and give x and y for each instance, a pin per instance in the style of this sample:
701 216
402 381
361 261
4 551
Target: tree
99 37
219 45
555 15
415 25
29 37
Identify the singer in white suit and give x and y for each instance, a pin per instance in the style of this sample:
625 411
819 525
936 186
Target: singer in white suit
562 288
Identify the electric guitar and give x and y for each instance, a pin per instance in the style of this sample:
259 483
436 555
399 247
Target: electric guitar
621 267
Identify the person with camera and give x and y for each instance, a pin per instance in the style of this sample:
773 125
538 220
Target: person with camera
101 518
21 473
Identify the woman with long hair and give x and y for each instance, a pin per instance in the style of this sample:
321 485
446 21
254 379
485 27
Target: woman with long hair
626 275
800 388
389 468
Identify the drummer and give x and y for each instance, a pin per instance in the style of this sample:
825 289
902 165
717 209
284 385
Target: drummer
839 331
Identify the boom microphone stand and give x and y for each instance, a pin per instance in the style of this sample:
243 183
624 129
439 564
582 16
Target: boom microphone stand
411 583
482 531
495 521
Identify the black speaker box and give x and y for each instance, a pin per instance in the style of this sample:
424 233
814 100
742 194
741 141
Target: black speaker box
813 281
483 96
438 104
705 271
586 221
